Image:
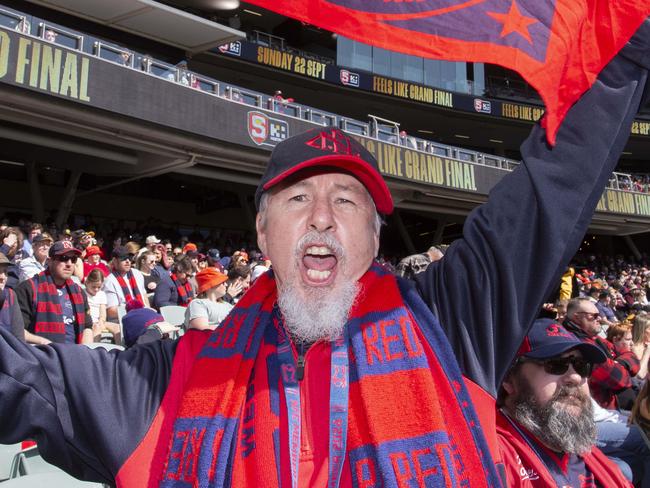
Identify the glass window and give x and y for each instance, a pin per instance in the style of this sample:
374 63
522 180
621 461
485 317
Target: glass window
381 61
352 54
405 67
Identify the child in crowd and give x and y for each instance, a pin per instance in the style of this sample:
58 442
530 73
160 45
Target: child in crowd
97 303
209 309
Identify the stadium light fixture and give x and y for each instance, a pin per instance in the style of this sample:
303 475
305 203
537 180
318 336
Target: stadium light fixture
496 141
461 136
424 131
225 4
252 12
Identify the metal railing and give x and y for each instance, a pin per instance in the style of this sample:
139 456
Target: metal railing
383 130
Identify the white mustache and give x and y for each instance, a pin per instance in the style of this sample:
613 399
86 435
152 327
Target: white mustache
314 237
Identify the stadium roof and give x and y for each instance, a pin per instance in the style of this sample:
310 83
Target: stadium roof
153 20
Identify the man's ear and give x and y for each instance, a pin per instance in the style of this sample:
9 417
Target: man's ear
508 384
261 234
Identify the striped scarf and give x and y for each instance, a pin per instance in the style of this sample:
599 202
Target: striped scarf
49 315
125 289
184 291
409 411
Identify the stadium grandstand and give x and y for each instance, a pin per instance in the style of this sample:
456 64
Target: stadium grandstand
139 130
139 111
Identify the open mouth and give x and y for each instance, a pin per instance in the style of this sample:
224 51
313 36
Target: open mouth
320 263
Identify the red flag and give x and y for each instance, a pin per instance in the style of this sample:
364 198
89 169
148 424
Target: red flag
558 46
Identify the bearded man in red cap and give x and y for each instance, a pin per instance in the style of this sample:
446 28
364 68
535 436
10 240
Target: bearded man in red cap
330 371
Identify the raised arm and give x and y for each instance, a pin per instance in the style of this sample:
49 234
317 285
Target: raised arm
490 285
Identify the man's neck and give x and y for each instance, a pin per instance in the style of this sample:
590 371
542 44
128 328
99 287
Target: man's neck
58 281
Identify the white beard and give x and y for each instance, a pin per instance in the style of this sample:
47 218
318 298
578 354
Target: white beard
319 315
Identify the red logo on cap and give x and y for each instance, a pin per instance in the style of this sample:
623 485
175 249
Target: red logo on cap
334 141
67 245
556 330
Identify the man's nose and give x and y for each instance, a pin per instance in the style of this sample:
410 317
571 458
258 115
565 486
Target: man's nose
322 215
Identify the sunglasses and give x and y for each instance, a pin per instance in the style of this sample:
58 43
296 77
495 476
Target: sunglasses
589 315
65 259
559 366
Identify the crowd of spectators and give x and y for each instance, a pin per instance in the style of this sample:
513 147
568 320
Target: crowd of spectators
69 286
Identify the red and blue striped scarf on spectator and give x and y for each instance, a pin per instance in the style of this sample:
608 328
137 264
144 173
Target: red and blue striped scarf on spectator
49 315
407 400
184 291
125 289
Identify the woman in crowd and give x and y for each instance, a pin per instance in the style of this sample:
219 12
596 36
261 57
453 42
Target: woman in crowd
641 339
146 263
209 309
641 410
621 336
97 303
239 280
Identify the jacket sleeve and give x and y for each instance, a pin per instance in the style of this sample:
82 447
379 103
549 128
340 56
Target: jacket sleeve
163 295
25 297
490 285
17 323
87 408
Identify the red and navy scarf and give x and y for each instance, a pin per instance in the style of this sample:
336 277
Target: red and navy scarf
48 320
201 435
184 291
125 289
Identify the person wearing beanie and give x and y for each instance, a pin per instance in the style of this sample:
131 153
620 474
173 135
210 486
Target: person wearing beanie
546 428
208 309
141 325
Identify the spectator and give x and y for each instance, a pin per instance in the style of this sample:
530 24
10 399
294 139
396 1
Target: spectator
607 316
124 283
10 317
33 230
11 242
151 242
144 325
55 308
175 289
640 414
620 335
239 280
50 35
93 260
146 263
214 256
417 263
97 303
321 230
613 376
37 262
546 431
208 310
641 340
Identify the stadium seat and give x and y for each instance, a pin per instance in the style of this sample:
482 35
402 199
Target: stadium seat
7 453
174 314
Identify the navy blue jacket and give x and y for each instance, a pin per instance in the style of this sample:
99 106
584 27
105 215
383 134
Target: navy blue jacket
89 409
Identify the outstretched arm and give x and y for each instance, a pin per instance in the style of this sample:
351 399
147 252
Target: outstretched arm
87 408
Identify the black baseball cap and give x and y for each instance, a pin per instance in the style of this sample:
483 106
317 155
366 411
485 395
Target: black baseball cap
120 252
547 339
326 147
59 248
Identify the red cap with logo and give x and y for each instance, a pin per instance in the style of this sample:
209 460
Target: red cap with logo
326 148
